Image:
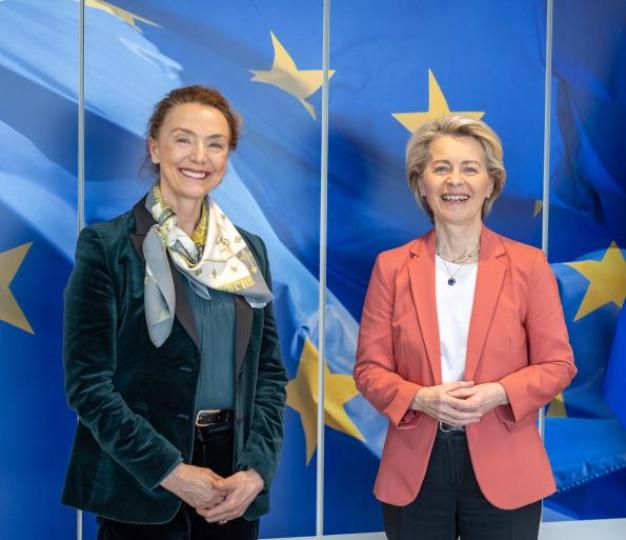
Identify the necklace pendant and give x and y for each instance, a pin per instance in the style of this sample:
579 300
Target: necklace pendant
451 281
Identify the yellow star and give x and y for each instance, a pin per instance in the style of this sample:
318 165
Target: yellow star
300 83
538 208
10 262
437 106
557 407
607 281
128 17
302 396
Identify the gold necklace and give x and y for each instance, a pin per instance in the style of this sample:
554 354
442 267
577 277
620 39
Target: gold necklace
459 261
463 258
199 234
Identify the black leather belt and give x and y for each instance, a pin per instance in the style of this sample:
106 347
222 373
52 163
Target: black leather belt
213 417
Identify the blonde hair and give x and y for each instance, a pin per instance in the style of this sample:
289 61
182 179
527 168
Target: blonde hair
454 125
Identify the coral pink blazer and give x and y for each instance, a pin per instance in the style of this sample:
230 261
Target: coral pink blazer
517 336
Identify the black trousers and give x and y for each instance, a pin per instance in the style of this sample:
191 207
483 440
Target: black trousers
450 504
212 449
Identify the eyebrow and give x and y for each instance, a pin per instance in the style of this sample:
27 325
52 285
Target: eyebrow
189 132
465 162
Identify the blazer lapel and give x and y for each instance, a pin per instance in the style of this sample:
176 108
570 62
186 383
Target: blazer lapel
143 222
489 280
422 278
243 329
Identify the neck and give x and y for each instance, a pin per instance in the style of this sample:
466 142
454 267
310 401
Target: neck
457 241
188 211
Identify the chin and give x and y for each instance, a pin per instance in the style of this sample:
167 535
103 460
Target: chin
196 191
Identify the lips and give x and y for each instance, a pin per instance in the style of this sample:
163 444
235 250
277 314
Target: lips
455 197
194 174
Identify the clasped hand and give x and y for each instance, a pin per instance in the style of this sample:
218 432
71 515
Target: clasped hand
459 403
214 498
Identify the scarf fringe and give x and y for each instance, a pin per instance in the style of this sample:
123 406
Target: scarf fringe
239 285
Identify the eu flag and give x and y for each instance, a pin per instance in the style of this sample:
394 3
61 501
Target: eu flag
402 62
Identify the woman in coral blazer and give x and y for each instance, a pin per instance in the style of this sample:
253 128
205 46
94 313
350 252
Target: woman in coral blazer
462 340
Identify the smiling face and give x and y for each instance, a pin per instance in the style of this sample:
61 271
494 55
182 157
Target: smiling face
191 150
455 181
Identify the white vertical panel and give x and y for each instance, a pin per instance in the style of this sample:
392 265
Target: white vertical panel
319 498
81 164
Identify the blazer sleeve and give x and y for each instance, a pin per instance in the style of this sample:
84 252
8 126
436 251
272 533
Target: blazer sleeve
375 370
262 448
89 357
551 360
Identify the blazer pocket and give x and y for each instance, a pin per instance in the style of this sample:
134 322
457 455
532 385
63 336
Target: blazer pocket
410 420
505 418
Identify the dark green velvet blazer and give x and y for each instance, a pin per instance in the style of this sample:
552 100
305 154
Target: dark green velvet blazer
136 402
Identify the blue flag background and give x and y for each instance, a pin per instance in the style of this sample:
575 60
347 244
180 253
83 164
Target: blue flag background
616 371
38 230
403 59
587 238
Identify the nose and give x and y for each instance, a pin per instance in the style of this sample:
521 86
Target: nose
199 152
455 177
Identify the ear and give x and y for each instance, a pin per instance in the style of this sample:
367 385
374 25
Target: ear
492 186
420 188
153 150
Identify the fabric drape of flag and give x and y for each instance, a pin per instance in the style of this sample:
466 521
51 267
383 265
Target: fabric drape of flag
38 231
615 375
586 441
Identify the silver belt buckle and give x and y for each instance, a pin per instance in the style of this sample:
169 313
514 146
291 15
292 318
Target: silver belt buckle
449 428
204 417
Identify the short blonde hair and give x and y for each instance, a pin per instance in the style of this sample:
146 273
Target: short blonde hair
454 125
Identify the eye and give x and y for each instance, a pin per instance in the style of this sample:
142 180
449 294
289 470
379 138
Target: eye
470 170
440 169
216 145
182 140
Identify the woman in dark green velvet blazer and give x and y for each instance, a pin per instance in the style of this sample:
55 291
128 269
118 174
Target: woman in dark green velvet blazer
137 354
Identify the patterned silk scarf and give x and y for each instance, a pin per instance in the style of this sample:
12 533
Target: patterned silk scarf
224 263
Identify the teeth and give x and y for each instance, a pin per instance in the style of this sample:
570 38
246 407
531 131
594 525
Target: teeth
198 175
454 197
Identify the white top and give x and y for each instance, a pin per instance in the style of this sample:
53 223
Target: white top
454 310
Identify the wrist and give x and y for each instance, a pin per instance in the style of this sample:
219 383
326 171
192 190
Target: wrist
173 479
504 398
256 478
417 402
